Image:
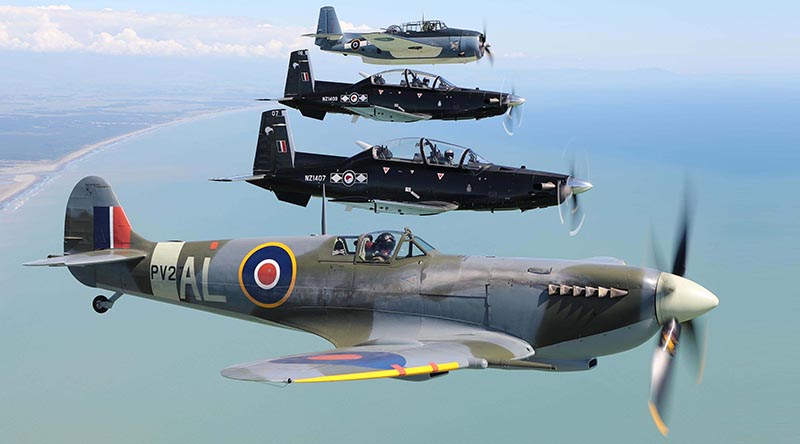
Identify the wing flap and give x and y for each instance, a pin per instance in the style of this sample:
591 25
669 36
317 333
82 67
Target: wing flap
97 257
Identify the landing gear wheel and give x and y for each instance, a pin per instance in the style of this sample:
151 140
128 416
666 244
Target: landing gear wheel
100 304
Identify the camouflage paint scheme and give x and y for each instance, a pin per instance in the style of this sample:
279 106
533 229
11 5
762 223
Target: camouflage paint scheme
425 42
412 317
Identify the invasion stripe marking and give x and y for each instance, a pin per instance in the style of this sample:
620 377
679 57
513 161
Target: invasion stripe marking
408 371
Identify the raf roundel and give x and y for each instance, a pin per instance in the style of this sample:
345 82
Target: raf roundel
267 274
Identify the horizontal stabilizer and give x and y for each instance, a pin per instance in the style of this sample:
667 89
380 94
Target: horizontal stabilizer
241 178
328 36
97 257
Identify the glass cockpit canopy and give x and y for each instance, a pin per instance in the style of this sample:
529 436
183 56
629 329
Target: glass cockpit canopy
429 151
411 78
421 26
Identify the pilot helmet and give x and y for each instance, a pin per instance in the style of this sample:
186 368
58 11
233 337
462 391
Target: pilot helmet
385 238
449 154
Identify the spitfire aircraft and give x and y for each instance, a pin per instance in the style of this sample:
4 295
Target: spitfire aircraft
400 95
402 176
423 42
392 305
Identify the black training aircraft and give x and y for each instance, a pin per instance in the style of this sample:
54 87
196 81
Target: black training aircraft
399 95
403 176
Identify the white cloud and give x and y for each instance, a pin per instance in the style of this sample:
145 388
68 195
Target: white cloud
59 28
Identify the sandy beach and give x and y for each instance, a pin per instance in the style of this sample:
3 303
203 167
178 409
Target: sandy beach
19 177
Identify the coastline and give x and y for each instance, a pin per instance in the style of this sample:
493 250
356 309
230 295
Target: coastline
19 178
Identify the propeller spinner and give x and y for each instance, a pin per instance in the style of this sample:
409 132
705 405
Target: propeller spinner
567 194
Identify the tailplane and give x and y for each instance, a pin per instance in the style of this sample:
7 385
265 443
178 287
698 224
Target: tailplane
96 229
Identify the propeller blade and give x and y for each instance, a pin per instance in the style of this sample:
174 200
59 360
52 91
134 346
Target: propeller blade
679 264
489 54
661 373
696 338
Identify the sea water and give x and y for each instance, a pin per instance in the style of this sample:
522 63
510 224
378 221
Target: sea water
148 372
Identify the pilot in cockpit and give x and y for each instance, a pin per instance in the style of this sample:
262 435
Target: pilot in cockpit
383 152
449 157
383 247
435 157
378 79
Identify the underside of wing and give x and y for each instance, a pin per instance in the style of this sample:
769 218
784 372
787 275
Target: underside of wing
406 208
400 47
414 360
384 114
387 114
97 257
356 363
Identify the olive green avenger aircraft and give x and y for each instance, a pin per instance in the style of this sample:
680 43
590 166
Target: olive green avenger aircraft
391 304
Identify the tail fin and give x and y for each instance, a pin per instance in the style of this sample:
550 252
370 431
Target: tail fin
328 24
95 220
275 148
299 78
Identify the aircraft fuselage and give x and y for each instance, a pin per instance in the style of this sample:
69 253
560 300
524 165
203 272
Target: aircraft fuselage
341 296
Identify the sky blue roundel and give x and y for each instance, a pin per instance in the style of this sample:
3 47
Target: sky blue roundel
267 274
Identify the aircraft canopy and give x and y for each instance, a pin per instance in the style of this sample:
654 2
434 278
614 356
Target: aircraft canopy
420 26
429 151
411 78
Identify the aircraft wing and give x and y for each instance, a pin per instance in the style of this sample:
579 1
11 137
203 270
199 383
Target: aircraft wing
400 47
387 114
97 257
385 206
381 360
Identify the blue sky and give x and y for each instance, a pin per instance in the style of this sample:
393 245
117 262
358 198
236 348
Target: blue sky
715 37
